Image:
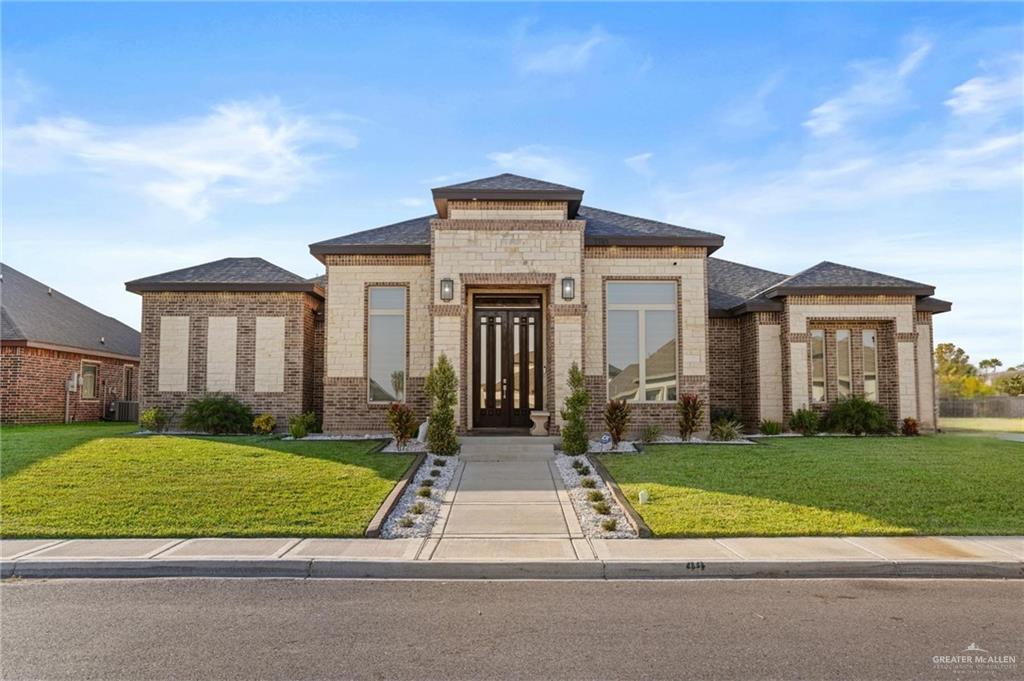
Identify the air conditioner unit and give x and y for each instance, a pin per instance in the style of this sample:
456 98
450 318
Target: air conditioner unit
126 411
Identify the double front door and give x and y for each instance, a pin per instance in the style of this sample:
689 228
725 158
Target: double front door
507 367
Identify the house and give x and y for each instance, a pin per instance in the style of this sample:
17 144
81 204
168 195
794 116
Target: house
45 339
514 280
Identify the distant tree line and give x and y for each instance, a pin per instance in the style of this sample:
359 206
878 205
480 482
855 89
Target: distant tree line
957 377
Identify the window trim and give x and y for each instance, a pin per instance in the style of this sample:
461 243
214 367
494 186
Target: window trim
864 371
96 384
641 309
391 312
824 365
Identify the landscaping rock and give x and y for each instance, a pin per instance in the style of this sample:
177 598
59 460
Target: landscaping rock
422 523
590 520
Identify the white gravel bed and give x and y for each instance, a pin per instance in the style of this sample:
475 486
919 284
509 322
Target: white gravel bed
411 447
423 522
598 447
322 436
674 440
590 520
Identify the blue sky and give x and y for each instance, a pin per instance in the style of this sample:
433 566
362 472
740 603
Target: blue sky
143 138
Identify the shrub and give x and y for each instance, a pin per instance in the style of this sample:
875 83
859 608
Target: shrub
217 414
264 424
691 411
418 508
616 419
595 495
401 423
574 430
724 414
724 430
423 492
609 524
805 421
426 482
406 521
435 472
441 387
154 420
856 416
440 463
769 427
602 508
651 433
583 470
909 427
300 425
588 483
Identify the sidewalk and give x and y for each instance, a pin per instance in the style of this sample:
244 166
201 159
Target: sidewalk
518 557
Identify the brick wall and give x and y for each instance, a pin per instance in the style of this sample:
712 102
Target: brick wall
32 384
725 365
298 311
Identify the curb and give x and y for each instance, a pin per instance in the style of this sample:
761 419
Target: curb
393 497
458 570
632 517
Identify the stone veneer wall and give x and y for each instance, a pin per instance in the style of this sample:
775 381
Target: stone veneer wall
32 384
294 307
346 406
687 266
927 404
892 316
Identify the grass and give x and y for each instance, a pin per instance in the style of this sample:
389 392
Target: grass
95 481
943 485
983 424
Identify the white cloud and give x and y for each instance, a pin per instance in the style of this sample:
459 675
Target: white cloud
411 202
878 87
751 113
254 152
640 164
990 94
568 56
537 161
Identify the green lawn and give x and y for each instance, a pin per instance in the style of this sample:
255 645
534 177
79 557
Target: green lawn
983 424
96 481
955 485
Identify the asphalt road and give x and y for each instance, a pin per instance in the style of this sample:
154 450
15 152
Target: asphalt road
328 629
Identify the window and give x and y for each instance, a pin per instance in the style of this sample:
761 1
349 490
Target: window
386 344
870 349
641 337
90 376
843 370
818 365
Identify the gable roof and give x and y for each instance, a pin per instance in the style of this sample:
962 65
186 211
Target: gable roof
226 274
830 277
603 228
32 312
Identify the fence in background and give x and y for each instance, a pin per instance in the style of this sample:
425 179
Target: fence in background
999 406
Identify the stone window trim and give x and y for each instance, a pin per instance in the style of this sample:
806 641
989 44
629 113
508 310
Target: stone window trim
96 381
371 404
886 340
679 329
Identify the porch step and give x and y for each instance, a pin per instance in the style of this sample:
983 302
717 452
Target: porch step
507 449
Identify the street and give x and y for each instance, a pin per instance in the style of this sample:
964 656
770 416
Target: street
331 629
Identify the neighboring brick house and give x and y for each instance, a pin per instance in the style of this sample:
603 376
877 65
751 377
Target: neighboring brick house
238 326
45 339
515 280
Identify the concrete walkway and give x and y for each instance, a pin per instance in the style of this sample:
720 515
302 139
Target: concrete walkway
534 557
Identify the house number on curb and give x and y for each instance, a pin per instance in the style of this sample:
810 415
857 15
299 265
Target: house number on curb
699 565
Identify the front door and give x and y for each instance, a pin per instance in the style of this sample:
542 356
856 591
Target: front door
507 367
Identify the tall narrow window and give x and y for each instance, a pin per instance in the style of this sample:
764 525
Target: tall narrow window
90 373
844 381
641 341
386 344
870 342
818 365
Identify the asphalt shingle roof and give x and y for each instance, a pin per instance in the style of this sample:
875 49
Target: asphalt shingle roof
230 274
830 276
510 182
731 284
32 311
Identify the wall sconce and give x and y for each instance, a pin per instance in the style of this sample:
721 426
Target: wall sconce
447 289
568 288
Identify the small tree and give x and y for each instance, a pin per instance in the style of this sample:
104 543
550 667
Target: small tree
691 411
441 387
401 422
616 419
1011 384
574 428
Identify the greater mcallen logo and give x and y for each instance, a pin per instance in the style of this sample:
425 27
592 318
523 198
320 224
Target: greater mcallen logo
975 658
